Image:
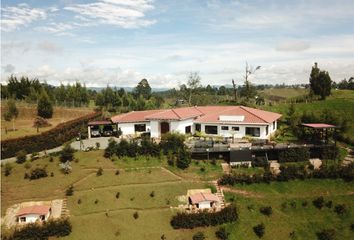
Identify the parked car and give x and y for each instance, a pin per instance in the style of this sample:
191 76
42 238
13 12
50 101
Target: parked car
107 131
95 132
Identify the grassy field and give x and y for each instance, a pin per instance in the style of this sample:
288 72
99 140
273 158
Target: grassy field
96 212
27 114
283 93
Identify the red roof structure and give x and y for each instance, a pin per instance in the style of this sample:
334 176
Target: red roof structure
203 197
36 209
104 122
318 125
203 114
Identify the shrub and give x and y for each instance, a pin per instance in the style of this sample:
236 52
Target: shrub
7 169
304 203
26 176
341 209
21 156
67 154
117 195
69 191
329 204
259 230
202 169
171 161
96 201
136 215
172 142
34 156
65 167
98 145
117 172
152 194
99 172
267 211
352 227
318 202
46 140
326 234
294 155
221 233
201 219
51 228
198 236
38 173
183 159
28 165
79 201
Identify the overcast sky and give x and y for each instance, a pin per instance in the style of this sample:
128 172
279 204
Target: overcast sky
119 42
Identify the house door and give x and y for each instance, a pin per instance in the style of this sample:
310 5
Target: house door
165 127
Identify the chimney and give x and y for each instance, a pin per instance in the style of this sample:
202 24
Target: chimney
315 64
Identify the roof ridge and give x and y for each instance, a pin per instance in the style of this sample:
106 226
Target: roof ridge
176 113
244 108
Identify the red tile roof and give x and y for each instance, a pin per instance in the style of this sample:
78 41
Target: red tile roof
36 209
202 197
92 123
318 125
203 114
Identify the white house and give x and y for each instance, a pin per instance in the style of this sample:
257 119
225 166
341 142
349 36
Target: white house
33 214
203 200
225 121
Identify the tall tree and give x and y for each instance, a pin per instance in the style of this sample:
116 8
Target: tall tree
143 88
193 84
320 82
11 112
44 106
248 91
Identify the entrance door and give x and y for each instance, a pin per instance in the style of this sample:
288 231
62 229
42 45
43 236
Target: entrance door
165 127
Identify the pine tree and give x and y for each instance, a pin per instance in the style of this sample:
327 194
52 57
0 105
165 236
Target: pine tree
11 112
320 82
44 106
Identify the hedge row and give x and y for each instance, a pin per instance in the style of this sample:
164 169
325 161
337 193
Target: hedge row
204 219
51 228
50 139
294 155
291 173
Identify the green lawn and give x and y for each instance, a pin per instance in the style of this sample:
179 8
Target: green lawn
284 92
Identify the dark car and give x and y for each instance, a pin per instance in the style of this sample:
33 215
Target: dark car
107 131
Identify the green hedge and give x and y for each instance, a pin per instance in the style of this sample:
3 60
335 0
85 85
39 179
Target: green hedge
294 155
47 140
204 219
52 228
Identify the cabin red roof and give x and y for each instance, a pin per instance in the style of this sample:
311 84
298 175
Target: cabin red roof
36 209
202 197
203 114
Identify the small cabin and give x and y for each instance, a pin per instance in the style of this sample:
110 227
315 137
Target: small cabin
203 200
33 214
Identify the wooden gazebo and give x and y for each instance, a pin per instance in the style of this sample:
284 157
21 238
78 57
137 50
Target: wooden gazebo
320 132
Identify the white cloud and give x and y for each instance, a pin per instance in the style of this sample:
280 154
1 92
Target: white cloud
8 68
60 29
21 15
120 13
49 47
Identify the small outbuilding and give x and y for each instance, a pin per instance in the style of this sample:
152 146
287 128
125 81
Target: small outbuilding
203 200
34 213
241 157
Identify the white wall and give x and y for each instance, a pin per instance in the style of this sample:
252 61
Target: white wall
128 128
155 129
203 205
180 126
30 218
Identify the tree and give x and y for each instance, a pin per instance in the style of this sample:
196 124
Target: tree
40 122
11 112
199 236
44 106
21 156
259 230
183 159
222 234
320 82
248 89
67 154
193 84
143 88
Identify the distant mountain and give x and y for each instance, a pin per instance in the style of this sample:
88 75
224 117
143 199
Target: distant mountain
128 89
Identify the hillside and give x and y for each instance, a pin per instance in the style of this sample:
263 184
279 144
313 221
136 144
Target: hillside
28 112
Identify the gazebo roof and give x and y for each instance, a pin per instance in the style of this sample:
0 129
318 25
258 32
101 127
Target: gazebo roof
318 125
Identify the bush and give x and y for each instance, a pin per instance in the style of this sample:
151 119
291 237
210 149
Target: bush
99 172
51 228
7 169
46 140
67 154
117 195
183 159
136 215
221 233
152 194
202 219
70 191
318 202
326 234
341 209
38 173
96 201
259 230
21 156
172 142
117 172
329 204
294 155
79 201
267 211
198 236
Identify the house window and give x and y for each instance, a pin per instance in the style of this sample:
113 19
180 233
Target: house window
211 129
225 128
267 130
188 129
198 127
22 219
274 125
253 131
140 127
42 217
235 128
